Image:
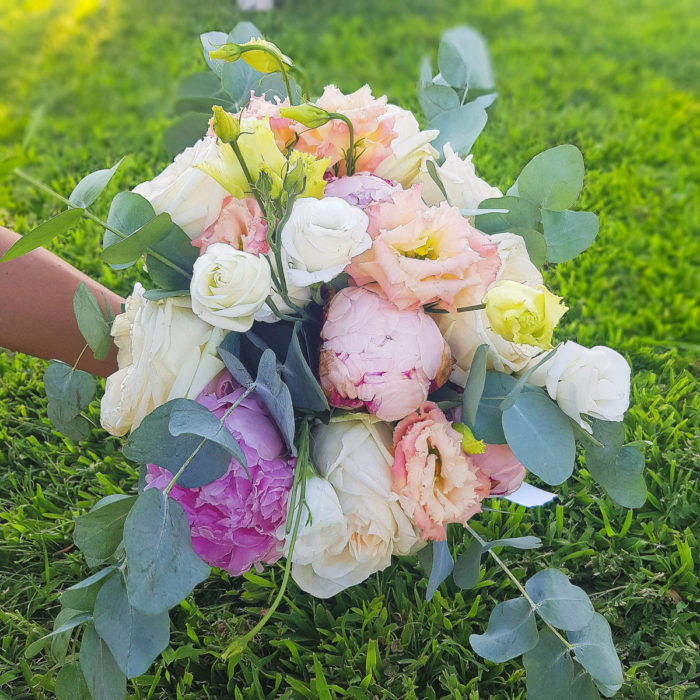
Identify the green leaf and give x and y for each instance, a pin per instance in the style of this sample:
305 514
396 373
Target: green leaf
163 568
135 639
584 687
535 244
102 675
68 391
127 213
43 233
228 351
436 99
553 179
61 641
177 248
158 294
153 443
541 437
70 683
466 571
595 651
81 596
136 244
521 214
442 565
549 670
568 233
464 56
518 387
488 425
303 386
275 395
69 620
187 130
527 542
559 602
511 631
435 177
474 386
92 321
459 127
198 92
91 186
210 42
99 532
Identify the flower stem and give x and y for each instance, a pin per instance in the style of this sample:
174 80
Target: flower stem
82 352
460 309
517 583
350 156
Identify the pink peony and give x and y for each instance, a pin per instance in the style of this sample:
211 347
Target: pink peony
424 254
502 467
238 521
361 189
377 356
436 481
240 224
373 133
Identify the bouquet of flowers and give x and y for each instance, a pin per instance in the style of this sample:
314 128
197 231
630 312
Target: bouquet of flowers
345 348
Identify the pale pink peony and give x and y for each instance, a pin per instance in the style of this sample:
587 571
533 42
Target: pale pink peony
372 134
436 481
361 189
240 224
238 520
422 254
502 467
377 356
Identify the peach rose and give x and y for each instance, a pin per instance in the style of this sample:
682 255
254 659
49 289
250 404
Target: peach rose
240 224
424 254
502 467
437 482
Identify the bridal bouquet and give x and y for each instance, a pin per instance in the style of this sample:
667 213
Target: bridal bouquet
342 347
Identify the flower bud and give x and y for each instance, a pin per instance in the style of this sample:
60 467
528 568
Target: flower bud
470 444
225 125
227 52
264 56
308 115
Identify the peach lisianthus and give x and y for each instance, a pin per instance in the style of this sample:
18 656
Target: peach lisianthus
437 482
373 133
422 254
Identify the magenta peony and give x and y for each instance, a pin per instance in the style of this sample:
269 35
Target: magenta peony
379 357
238 521
360 190
437 482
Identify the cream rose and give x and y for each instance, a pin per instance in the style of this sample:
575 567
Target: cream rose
354 455
229 286
191 197
321 237
586 381
464 188
164 352
409 148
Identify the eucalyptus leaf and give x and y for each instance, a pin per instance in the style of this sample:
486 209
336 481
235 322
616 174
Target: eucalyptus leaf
595 651
176 247
459 127
559 602
466 569
91 186
436 99
535 244
99 532
303 386
511 631
623 481
187 130
127 213
68 391
442 565
584 686
61 641
199 91
102 675
136 244
70 620
228 352
82 596
158 294
276 396
43 234
520 213
163 568
527 542
488 424
92 322
474 386
568 233
135 639
70 684
210 42
541 437
435 177
473 54
514 393
549 670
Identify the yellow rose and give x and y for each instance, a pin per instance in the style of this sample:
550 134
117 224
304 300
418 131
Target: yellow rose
522 314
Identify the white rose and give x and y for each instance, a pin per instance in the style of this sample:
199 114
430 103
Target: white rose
410 147
465 331
321 237
459 177
191 197
164 352
586 381
354 455
229 286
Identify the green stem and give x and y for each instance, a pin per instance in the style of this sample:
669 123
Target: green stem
517 583
82 352
460 309
278 313
283 68
248 176
350 156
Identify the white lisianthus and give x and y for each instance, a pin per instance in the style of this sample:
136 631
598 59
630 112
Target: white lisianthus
229 286
586 381
354 455
164 352
466 331
464 188
191 197
320 238
409 148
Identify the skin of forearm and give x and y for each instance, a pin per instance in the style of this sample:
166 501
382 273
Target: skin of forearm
36 308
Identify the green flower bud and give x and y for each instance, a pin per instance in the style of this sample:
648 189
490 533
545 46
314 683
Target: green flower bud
225 125
308 115
227 52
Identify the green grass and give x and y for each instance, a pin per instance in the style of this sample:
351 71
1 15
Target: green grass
85 82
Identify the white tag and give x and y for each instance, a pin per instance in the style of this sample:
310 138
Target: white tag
529 496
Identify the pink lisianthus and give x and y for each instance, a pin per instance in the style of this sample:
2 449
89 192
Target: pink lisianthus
502 467
422 254
361 189
436 481
240 224
373 135
238 520
379 357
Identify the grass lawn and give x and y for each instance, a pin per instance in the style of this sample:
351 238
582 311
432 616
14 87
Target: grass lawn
84 82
